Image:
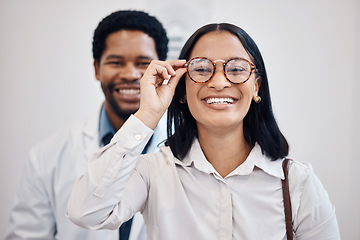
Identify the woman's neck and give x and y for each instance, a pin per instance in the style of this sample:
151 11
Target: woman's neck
225 149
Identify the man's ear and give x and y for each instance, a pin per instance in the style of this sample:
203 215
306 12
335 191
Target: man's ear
97 70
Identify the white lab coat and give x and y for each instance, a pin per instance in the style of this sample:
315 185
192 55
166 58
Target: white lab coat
53 166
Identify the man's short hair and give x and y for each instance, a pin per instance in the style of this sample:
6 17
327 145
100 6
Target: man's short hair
130 20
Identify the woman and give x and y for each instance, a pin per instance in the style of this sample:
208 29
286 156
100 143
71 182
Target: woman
219 175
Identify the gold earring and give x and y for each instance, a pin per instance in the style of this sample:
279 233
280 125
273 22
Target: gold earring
257 99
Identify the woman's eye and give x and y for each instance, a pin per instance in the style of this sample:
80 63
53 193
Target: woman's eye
236 70
202 70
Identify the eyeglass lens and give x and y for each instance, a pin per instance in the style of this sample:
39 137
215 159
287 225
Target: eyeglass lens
202 69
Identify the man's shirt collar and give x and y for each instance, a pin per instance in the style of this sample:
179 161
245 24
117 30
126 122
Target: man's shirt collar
106 130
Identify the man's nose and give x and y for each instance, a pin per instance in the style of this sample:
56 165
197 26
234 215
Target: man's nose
131 73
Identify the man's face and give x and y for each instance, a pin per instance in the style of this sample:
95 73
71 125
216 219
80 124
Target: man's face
122 64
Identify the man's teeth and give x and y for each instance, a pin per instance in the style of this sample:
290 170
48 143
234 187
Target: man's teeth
129 91
219 100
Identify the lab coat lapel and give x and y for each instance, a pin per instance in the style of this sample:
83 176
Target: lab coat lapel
90 134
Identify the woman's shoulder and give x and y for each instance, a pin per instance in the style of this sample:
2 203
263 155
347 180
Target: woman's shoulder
300 175
300 170
305 187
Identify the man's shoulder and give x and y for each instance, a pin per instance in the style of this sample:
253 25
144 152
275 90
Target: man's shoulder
69 136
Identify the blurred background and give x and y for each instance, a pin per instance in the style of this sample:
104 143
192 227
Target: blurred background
311 51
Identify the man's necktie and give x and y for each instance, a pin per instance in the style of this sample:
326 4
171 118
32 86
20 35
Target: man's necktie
124 231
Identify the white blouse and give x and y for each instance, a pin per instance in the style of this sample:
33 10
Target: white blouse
190 200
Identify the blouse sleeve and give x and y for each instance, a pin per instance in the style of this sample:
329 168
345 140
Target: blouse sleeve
314 216
98 198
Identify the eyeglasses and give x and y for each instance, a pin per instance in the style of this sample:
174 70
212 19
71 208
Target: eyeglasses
236 70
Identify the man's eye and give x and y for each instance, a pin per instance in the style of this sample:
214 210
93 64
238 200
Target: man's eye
115 63
143 64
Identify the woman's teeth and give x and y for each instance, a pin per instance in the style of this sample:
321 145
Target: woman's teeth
219 100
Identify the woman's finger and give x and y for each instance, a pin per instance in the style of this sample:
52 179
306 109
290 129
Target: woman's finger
163 70
175 78
170 67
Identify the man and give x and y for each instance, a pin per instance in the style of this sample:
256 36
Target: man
124 44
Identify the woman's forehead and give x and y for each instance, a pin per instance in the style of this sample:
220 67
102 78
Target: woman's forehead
219 45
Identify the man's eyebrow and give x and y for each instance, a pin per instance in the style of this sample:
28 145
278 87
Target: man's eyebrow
119 57
144 58
114 57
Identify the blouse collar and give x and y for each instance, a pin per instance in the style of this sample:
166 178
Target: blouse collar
255 160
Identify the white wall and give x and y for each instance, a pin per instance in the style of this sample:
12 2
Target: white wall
309 49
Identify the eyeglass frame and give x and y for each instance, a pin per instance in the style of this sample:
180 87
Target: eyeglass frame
253 67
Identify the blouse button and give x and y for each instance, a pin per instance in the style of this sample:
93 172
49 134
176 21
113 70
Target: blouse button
137 137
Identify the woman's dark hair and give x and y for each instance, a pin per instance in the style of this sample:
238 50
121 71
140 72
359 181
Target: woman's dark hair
259 123
130 20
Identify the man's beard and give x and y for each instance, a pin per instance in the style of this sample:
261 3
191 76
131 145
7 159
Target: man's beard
108 92
117 110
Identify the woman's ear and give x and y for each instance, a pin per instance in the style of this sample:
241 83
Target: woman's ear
97 70
257 84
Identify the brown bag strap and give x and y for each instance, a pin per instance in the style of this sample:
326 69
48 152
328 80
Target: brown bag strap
287 201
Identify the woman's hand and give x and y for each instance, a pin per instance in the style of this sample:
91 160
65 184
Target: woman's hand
155 94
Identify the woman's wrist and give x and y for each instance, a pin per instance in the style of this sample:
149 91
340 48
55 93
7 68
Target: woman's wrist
150 119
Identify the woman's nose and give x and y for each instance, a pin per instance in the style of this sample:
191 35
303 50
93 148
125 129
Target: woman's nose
219 80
